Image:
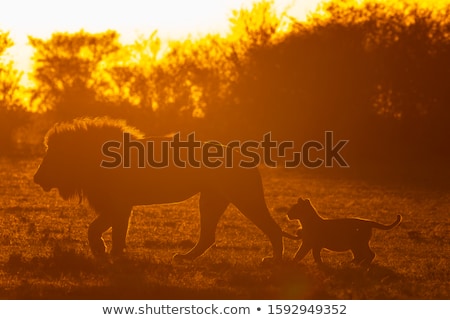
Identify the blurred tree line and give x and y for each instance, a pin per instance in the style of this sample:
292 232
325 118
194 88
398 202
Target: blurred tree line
13 113
375 73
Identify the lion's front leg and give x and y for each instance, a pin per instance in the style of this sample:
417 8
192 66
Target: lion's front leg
119 231
95 232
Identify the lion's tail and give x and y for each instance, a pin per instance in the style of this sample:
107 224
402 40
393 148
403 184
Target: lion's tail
290 236
389 227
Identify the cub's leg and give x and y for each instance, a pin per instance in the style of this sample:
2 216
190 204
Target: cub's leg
302 252
370 255
363 255
357 256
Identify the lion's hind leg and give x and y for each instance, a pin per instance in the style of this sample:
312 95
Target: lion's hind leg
212 206
259 214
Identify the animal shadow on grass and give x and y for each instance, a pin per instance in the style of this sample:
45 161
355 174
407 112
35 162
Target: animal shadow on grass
69 274
307 281
351 282
62 261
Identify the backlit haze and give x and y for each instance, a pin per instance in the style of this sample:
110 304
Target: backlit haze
131 18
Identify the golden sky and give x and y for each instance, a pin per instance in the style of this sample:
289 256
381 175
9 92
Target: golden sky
131 18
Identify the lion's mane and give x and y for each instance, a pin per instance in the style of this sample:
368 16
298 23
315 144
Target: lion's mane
77 146
86 130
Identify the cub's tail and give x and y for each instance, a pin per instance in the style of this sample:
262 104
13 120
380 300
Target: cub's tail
389 227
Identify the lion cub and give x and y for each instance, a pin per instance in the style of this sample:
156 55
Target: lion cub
334 234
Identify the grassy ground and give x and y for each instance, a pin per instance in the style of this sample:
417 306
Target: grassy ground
44 252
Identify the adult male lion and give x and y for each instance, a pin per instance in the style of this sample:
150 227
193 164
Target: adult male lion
72 164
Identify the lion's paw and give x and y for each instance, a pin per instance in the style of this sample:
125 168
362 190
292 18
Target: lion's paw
180 257
271 261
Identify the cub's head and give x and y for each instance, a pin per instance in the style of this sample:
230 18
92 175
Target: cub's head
301 210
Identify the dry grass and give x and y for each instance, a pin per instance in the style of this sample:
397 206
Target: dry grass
44 252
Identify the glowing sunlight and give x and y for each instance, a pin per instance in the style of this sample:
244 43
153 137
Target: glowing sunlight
172 19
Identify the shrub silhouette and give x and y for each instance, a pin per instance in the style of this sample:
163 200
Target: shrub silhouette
375 73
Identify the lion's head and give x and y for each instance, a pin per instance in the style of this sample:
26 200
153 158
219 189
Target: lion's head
73 156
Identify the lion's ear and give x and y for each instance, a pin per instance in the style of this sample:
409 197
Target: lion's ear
307 201
300 200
